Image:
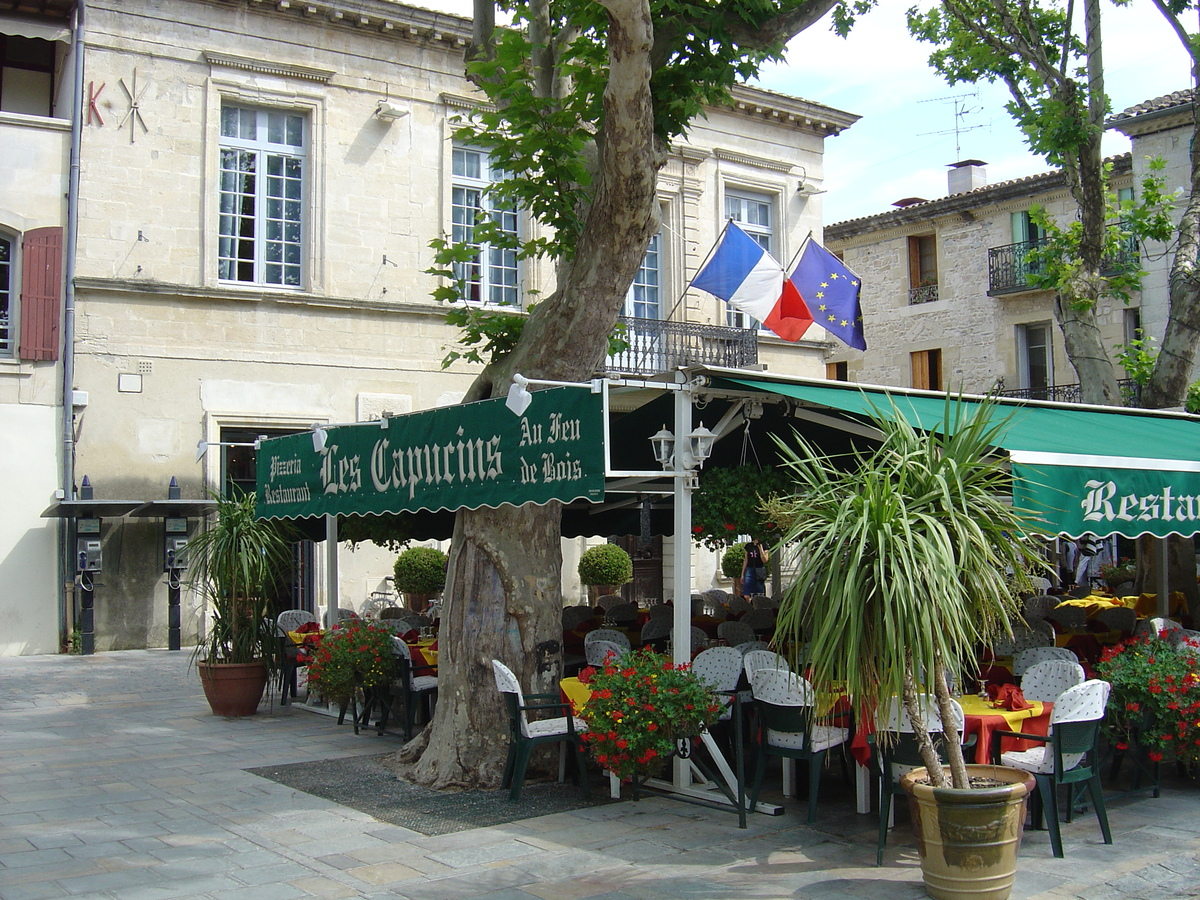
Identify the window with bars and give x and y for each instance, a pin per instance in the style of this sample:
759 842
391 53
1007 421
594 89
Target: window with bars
262 196
644 300
922 269
492 276
755 214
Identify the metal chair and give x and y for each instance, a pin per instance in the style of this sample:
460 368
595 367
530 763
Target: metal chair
1046 680
1067 756
787 728
524 735
1026 659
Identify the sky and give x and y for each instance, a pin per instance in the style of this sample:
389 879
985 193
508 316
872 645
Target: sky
904 142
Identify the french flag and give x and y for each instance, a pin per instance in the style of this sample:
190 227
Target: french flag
743 274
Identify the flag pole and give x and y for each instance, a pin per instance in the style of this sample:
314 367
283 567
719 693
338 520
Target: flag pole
699 269
791 267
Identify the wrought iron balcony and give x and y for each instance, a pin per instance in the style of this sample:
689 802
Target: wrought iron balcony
1131 391
926 293
658 345
1010 266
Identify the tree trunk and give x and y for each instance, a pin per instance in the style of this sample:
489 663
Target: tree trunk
504 602
1081 334
503 594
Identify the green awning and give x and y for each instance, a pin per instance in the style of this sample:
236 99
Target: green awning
1078 469
454 457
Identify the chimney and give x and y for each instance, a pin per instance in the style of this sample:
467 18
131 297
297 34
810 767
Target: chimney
966 175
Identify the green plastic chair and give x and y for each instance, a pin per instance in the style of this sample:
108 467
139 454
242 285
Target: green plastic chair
524 734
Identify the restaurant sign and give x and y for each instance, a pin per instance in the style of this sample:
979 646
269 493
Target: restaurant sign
453 457
1076 500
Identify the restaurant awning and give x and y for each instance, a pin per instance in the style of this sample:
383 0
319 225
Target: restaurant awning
1079 469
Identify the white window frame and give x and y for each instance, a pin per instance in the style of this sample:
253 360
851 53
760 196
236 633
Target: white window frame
9 270
648 282
737 204
1023 353
280 222
497 276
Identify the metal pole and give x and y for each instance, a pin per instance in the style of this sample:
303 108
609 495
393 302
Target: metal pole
173 619
87 600
682 573
331 571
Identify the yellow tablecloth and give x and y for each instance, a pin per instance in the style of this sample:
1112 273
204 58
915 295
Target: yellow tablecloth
1094 603
576 692
982 719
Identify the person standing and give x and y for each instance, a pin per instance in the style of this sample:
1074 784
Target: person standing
754 569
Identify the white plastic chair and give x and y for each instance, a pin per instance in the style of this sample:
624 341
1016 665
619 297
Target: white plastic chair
598 653
788 728
1068 755
720 668
1026 659
1048 679
524 734
734 633
611 635
754 660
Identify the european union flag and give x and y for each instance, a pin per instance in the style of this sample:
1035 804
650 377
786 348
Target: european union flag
831 292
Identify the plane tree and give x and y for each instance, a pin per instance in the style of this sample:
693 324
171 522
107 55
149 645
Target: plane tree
583 99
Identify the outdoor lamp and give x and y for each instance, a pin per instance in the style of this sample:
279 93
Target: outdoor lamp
701 441
664 447
519 397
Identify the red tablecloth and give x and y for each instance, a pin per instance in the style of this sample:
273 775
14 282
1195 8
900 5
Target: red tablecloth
981 724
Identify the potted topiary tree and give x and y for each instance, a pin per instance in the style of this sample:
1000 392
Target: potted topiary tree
420 574
901 563
603 569
732 561
235 563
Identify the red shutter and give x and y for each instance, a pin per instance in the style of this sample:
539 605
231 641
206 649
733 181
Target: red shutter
41 292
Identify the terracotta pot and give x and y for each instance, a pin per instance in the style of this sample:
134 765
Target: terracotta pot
968 840
233 689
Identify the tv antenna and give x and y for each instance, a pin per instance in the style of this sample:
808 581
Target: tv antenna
962 108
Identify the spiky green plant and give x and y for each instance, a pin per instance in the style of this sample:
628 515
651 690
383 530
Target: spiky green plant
901 555
235 563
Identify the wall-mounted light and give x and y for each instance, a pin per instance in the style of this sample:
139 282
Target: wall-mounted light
319 438
202 445
519 397
388 112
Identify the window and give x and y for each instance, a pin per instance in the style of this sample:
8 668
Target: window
262 196
26 75
922 269
754 213
927 370
837 371
644 300
1036 359
6 284
492 276
31 302
1131 324
1025 230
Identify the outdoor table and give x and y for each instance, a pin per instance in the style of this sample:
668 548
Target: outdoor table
982 719
424 654
576 693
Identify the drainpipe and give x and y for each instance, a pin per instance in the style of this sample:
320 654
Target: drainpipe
67 557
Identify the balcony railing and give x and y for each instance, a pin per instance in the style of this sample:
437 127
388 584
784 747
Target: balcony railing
1010 266
657 345
1131 391
926 293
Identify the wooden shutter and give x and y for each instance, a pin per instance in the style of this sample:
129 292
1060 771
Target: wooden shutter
41 293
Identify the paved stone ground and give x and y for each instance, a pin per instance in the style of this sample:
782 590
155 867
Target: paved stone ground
117 782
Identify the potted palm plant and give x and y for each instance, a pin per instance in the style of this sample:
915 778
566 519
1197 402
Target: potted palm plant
235 563
901 555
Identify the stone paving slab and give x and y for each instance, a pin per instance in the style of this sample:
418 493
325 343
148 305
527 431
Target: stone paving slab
117 783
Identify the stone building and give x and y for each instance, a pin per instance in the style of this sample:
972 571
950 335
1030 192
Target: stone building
258 187
946 299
